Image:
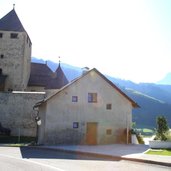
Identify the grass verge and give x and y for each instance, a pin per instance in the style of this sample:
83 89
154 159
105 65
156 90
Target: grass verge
162 152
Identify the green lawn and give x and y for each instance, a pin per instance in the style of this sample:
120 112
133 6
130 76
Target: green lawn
148 130
163 152
145 131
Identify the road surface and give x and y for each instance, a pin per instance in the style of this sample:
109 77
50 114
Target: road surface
31 159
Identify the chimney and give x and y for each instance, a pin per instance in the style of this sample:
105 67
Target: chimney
85 70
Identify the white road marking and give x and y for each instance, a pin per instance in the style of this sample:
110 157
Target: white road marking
31 161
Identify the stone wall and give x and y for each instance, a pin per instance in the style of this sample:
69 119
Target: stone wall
16 112
15 58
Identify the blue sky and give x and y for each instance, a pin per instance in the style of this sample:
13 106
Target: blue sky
128 39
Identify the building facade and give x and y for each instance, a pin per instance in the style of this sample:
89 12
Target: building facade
20 80
90 110
15 53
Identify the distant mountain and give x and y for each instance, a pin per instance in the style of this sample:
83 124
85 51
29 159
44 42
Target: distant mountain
150 108
166 80
154 99
70 71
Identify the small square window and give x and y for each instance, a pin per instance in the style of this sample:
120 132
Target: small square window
14 35
75 124
108 106
92 97
1 35
109 132
74 98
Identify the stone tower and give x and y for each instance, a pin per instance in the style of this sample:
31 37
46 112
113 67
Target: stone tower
15 54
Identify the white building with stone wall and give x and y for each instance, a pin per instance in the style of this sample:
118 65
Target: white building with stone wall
20 80
88 110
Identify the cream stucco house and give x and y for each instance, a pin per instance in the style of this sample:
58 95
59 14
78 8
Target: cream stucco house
89 110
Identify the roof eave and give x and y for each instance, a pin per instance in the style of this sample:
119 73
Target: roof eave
38 104
135 105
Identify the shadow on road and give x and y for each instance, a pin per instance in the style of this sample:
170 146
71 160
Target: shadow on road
29 152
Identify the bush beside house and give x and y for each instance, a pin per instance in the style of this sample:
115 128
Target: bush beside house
163 135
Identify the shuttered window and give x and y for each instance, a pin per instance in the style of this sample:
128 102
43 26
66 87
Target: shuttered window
92 97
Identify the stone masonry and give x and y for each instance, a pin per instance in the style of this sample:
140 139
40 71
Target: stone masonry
16 112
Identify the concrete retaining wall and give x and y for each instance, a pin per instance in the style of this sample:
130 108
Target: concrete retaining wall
160 144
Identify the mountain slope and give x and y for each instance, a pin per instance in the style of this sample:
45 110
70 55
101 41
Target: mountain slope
150 108
161 92
154 99
166 80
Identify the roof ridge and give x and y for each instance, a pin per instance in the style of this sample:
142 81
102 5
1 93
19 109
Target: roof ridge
38 63
134 104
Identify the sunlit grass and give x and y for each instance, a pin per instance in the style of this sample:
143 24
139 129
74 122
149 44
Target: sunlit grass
15 145
146 132
163 152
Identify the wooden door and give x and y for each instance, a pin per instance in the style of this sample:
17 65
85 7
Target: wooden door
91 136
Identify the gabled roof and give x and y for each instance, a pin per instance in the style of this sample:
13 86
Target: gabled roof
58 80
134 104
40 75
11 22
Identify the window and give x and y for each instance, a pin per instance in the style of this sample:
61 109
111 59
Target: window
74 98
108 106
75 124
1 35
2 56
92 97
108 131
14 35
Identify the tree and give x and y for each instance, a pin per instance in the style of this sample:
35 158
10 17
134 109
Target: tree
162 128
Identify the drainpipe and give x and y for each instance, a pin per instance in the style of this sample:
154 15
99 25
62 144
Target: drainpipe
38 122
127 130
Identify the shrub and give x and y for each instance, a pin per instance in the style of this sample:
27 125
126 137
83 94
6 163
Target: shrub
162 128
140 138
168 135
133 131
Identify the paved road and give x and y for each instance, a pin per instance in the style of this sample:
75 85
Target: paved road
13 164
12 159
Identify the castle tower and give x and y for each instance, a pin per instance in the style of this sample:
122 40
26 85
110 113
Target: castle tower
15 53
